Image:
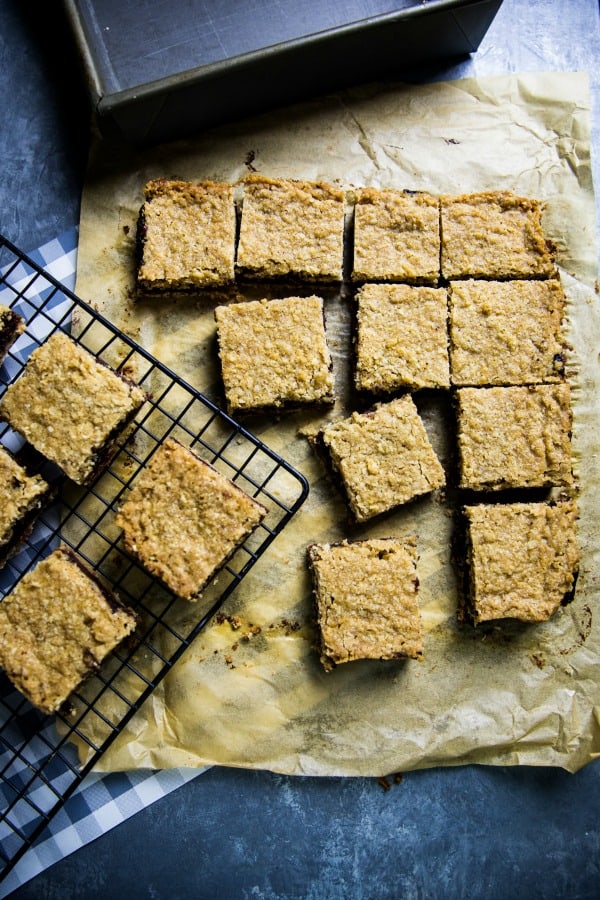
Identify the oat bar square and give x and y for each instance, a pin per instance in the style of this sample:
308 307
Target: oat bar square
70 406
396 236
186 235
11 326
494 234
22 496
291 230
382 458
522 559
401 338
274 353
183 519
506 332
56 627
515 437
366 597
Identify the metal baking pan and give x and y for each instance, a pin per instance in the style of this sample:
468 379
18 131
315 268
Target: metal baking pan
159 70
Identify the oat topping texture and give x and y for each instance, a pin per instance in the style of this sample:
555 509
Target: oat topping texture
274 353
291 229
401 338
183 519
56 627
11 326
506 332
21 497
383 458
396 236
366 595
494 234
70 407
186 235
522 559
512 437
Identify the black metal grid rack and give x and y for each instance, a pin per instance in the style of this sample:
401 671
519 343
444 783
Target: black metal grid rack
44 758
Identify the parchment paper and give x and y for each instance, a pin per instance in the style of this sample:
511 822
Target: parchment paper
251 691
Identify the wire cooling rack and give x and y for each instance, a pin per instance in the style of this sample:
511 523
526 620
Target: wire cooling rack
44 758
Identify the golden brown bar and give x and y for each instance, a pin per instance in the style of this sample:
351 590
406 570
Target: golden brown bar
382 458
70 406
56 627
401 338
522 559
186 235
366 596
291 230
274 353
506 332
396 236
22 496
183 519
494 234
513 437
11 326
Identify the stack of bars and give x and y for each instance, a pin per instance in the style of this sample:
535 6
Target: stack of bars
458 294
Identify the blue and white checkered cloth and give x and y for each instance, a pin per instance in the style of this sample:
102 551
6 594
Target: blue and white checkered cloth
101 801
